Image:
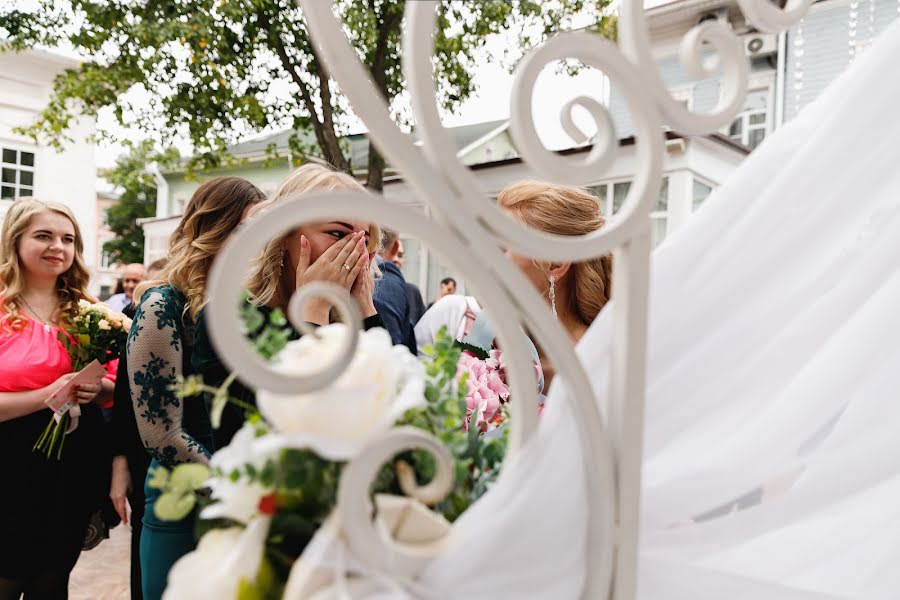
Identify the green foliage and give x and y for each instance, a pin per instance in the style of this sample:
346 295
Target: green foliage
477 457
137 200
216 69
179 489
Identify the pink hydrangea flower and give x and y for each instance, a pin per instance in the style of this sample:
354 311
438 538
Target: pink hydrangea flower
486 390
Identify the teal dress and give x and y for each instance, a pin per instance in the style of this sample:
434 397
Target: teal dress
173 430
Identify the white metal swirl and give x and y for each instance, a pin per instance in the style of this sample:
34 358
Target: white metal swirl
468 239
355 506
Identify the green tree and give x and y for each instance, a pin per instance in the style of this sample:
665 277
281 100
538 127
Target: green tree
216 70
137 201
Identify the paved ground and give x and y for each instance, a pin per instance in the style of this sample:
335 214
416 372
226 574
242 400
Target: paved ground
102 573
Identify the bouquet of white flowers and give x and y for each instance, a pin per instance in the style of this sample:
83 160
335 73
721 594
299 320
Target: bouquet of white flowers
95 334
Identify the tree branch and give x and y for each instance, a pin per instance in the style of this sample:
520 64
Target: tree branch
375 177
323 129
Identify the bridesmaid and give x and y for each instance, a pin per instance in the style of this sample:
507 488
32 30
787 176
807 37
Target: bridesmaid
159 350
339 252
46 504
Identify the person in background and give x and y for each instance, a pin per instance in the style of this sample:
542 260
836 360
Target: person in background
391 298
155 268
132 275
413 293
448 287
46 504
575 291
130 459
159 349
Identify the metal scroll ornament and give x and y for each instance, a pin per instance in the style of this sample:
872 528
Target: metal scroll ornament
469 237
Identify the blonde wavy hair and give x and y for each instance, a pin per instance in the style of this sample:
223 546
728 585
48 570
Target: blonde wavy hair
265 283
211 215
71 286
566 210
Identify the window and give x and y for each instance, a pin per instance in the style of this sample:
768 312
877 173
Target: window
700 193
16 173
659 214
612 196
751 126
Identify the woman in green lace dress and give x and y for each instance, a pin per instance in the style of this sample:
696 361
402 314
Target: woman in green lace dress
159 350
339 252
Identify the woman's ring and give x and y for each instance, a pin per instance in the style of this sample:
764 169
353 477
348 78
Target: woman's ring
346 266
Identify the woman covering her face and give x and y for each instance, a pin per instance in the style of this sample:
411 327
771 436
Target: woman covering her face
46 503
159 350
340 252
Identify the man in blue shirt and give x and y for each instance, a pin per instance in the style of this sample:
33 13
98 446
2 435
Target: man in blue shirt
390 296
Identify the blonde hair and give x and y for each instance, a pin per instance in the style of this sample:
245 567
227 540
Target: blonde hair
566 210
71 286
211 215
265 282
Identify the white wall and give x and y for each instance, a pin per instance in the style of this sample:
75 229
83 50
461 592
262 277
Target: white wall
68 177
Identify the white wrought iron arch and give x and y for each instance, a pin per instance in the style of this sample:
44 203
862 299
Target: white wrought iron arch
469 238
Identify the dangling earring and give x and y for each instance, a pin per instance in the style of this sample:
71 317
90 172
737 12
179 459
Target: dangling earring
553 295
280 267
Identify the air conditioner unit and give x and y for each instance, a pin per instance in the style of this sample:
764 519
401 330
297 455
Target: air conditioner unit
759 44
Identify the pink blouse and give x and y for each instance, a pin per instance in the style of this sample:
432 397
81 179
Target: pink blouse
33 357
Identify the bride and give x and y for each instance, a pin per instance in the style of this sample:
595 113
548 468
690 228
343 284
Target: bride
772 460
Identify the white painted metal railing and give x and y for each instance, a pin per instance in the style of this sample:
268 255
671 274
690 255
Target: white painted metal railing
472 230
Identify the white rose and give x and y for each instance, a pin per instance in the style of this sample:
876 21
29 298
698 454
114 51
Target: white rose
84 304
238 500
380 384
104 324
102 308
222 559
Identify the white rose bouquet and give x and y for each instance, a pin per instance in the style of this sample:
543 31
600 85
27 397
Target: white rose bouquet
275 485
95 333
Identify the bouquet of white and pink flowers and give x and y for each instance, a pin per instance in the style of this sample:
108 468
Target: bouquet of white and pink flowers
96 333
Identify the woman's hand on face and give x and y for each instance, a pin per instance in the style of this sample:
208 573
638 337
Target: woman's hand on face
363 288
340 264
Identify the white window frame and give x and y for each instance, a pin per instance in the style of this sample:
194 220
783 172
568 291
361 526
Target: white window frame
700 179
763 82
19 169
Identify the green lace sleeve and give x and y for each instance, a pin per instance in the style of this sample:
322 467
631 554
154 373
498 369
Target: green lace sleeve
155 352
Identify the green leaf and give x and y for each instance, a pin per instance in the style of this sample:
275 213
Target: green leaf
188 477
171 506
159 477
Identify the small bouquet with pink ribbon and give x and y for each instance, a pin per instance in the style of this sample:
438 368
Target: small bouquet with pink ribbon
96 336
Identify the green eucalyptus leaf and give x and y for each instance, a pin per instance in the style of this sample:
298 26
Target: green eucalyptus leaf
188 477
159 477
171 506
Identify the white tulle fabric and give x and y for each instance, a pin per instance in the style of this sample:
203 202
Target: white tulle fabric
772 466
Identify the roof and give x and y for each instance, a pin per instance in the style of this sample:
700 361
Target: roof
671 136
462 137
107 195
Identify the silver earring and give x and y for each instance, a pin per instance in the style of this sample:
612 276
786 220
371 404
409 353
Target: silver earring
280 267
553 295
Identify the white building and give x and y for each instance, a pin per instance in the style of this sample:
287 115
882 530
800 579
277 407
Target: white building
69 176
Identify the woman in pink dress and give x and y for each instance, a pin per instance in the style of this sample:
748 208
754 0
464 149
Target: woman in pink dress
45 504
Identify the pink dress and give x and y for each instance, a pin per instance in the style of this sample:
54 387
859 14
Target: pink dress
45 505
